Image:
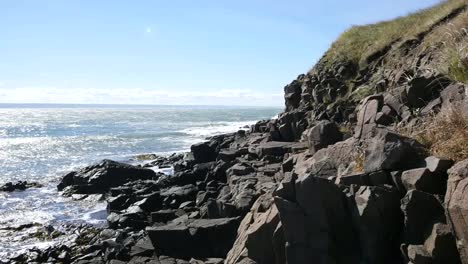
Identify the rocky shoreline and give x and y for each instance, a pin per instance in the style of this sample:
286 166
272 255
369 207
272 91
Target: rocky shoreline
339 177
246 198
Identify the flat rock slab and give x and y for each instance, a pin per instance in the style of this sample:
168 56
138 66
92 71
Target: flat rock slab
201 238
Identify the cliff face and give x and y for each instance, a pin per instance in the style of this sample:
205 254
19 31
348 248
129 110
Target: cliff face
412 58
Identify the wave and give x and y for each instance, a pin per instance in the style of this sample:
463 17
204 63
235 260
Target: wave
212 129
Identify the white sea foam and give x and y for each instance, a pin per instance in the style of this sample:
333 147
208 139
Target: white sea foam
212 129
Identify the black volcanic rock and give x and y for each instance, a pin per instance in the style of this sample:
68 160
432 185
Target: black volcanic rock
195 238
19 186
101 177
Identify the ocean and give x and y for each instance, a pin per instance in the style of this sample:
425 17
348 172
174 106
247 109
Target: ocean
41 143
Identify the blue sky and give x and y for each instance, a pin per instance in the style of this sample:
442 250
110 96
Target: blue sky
217 52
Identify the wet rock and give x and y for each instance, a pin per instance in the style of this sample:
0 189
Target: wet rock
19 186
198 238
101 177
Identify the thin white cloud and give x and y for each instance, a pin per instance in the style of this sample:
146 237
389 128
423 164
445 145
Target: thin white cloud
138 96
148 30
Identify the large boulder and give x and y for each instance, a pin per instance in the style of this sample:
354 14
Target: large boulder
422 179
367 113
379 221
456 202
422 210
388 150
323 134
292 95
256 239
200 238
421 89
441 245
205 151
317 225
101 177
327 161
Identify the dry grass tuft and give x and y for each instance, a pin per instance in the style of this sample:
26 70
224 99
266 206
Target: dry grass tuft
445 134
456 54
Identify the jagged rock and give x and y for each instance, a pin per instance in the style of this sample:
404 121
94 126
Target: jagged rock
240 169
287 188
391 151
453 93
327 161
292 124
143 247
386 116
227 155
423 179
378 242
255 236
323 134
377 178
422 210
441 245
174 196
397 182
273 148
456 202
19 186
150 203
421 89
367 113
118 203
417 254
200 238
313 224
438 165
101 177
205 151
292 95
163 216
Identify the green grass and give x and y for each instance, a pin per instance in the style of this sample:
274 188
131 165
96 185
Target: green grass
359 42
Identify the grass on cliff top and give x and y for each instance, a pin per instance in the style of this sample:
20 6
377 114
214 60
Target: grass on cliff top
359 42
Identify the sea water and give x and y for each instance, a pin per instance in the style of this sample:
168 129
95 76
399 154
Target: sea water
41 143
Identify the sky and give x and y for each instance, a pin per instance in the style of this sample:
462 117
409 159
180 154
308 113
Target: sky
204 52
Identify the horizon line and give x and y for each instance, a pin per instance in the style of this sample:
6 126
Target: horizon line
139 105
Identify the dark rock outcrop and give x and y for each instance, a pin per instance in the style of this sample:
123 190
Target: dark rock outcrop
195 238
101 177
